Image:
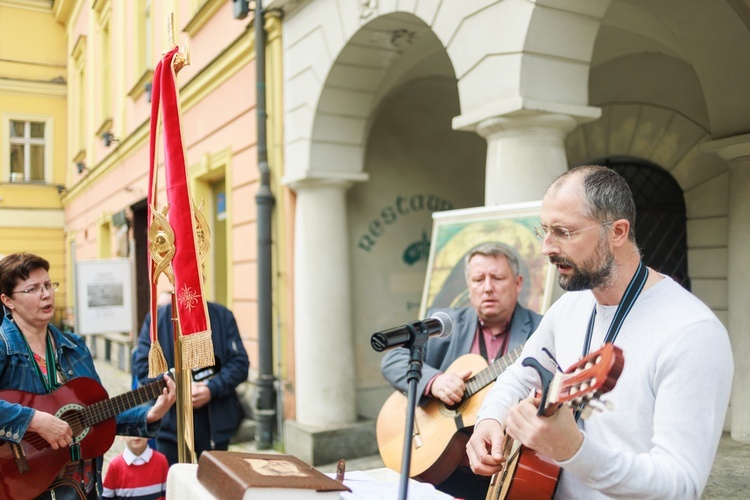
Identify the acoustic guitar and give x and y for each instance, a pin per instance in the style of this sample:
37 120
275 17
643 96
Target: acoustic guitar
528 475
29 467
440 431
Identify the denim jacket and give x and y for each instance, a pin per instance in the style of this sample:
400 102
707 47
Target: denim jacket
17 372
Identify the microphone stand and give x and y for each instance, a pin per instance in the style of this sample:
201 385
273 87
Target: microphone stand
413 375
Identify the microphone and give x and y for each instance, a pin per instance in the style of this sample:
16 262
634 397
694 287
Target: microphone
439 324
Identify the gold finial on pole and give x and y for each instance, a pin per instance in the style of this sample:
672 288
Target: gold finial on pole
170 30
182 58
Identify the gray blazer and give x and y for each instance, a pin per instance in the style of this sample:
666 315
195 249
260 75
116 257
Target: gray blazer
440 353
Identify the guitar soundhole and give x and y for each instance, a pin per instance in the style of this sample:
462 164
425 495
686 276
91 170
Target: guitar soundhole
71 413
451 409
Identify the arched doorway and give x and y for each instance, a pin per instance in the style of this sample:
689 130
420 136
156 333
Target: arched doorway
660 226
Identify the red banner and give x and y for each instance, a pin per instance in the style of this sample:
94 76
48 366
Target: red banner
173 239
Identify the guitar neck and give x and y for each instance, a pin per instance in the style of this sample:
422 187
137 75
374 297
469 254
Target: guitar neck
489 374
109 408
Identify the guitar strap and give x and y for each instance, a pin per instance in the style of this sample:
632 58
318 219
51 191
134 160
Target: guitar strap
626 304
66 489
637 282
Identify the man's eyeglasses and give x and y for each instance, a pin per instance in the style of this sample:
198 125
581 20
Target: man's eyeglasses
560 233
37 289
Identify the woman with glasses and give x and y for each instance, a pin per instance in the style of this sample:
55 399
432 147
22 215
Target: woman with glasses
37 358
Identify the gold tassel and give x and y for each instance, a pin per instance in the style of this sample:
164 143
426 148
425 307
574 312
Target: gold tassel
197 350
157 364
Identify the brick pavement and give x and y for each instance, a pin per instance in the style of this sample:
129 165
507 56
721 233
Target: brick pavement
729 480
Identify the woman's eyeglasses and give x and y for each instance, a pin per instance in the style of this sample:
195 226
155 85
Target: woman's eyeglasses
37 289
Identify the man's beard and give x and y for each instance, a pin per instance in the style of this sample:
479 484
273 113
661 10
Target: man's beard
581 279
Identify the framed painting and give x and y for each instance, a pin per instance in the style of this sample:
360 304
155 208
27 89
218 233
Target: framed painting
104 301
456 232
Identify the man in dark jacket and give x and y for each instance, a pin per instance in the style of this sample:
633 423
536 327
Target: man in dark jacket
494 325
216 406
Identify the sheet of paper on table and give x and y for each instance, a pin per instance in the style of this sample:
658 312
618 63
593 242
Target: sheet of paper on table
378 484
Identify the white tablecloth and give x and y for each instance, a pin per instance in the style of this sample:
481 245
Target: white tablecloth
375 484
182 483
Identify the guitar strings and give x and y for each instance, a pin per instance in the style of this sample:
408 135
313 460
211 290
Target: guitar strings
489 374
99 411
513 455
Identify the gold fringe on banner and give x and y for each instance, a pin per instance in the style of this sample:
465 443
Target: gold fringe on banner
157 364
197 350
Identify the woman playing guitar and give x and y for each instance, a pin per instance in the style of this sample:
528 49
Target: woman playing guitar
37 358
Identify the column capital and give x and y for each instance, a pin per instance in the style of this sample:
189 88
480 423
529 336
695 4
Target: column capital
526 123
273 23
313 179
520 107
735 149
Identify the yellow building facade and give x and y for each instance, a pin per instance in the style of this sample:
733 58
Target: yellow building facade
112 49
33 135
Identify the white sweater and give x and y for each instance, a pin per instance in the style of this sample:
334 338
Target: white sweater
660 439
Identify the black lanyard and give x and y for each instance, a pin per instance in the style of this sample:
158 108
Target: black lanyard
626 304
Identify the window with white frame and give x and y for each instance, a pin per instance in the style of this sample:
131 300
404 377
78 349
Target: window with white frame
27 146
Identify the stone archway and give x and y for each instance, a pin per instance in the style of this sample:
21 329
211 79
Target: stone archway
341 66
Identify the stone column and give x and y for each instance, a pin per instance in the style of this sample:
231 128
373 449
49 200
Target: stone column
739 277
525 153
324 354
736 150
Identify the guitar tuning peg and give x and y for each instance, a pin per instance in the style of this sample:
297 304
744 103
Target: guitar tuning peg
586 412
596 405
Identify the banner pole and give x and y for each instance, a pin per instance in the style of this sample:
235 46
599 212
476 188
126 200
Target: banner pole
184 402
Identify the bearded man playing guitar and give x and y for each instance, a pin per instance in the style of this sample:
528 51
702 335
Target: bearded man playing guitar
39 448
494 325
661 436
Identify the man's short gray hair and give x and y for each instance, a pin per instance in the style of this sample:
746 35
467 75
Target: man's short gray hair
493 250
605 193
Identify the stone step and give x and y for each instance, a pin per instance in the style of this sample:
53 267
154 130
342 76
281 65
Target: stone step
245 433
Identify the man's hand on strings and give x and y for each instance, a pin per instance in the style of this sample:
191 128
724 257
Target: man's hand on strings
53 430
449 387
556 436
485 448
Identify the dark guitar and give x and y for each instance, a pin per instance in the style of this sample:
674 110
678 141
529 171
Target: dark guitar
527 474
440 431
28 468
